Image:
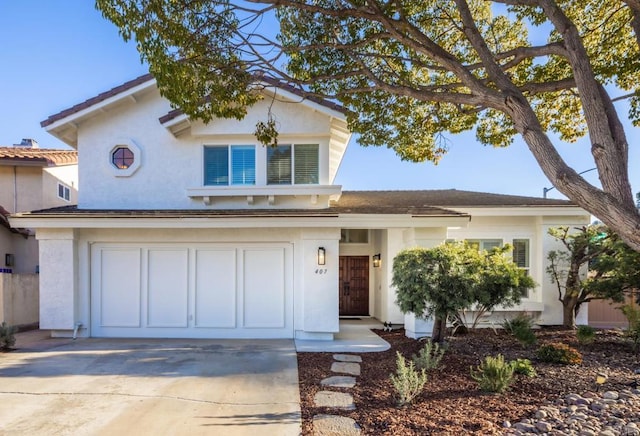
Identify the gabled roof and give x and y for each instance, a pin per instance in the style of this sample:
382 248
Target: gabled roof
379 200
127 86
37 156
284 87
4 222
97 99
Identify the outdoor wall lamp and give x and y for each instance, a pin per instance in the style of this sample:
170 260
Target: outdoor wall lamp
321 256
8 259
376 260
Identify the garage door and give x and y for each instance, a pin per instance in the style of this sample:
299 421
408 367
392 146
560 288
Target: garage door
187 291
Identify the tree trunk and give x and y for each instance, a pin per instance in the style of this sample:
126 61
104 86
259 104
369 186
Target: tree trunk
569 312
439 329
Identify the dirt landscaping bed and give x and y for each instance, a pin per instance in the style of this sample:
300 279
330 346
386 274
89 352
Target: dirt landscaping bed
451 401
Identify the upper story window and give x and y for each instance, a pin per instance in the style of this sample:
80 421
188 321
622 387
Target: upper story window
293 164
230 165
64 192
122 157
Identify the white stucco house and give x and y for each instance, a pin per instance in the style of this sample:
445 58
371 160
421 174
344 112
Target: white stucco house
193 230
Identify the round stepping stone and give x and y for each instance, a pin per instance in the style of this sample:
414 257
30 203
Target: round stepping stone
332 425
346 368
347 358
336 400
339 381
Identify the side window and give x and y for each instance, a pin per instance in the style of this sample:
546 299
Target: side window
521 257
521 253
64 192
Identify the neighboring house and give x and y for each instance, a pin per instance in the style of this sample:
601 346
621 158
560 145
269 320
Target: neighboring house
185 229
33 178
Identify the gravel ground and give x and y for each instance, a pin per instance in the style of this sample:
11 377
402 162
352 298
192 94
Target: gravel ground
452 402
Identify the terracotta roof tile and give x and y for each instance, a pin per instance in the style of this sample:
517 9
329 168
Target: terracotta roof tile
45 156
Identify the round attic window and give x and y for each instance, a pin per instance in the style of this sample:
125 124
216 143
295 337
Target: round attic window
122 158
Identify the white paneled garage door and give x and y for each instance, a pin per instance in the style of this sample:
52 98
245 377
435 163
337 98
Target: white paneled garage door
192 291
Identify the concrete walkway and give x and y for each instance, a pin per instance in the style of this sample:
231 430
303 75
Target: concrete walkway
355 336
127 386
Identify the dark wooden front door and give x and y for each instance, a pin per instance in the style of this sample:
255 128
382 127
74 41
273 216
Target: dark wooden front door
354 285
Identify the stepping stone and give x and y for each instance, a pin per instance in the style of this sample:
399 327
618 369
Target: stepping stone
347 358
339 381
337 400
332 425
346 368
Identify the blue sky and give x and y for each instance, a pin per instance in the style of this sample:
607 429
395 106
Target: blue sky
56 53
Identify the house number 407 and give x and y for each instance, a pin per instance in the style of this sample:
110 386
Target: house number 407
321 271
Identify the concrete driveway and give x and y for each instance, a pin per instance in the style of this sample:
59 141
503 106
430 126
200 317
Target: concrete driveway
125 386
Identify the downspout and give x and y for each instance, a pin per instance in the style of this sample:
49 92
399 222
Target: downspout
15 189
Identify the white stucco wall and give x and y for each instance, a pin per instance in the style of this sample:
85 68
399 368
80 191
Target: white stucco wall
21 188
542 301
58 279
19 299
169 166
51 176
65 288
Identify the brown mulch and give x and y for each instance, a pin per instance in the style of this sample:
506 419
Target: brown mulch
451 401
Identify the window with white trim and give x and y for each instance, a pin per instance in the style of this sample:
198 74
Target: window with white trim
229 165
484 244
296 164
521 257
64 192
354 236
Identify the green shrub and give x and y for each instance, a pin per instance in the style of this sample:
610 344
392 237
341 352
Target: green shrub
429 356
521 327
524 367
585 334
407 381
521 320
7 336
494 374
632 313
559 353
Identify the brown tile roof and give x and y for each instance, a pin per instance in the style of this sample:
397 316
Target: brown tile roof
4 222
379 200
97 99
43 156
331 212
172 114
434 203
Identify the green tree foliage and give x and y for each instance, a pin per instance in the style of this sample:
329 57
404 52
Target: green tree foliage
409 71
452 277
614 268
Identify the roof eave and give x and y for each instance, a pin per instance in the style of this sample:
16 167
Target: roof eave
66 128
